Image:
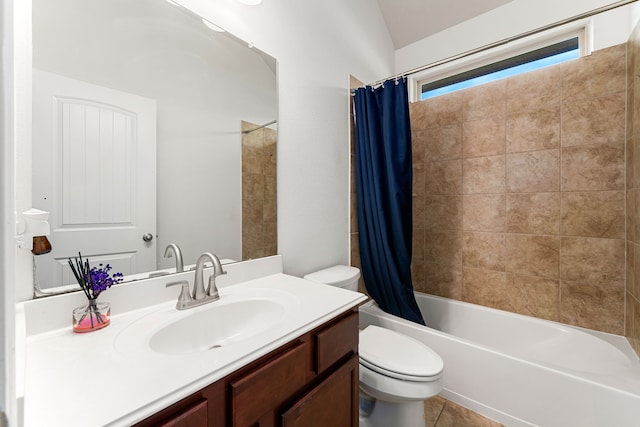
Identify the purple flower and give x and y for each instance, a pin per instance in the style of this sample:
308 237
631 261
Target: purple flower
93 280
100 280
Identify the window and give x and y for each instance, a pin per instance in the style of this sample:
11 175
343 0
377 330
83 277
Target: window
494 66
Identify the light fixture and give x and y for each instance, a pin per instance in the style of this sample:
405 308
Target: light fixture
250 2
212 26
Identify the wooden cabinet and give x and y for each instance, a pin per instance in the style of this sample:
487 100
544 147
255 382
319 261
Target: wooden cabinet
195 415
256 396
333 402
310 381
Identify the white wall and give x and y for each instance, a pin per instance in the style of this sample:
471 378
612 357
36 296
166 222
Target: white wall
11 120
317 44
512 19
7 339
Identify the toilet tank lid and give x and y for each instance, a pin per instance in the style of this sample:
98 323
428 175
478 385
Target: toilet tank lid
398 353
334 275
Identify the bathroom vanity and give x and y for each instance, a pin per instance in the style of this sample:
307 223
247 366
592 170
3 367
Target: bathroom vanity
274 350
310 381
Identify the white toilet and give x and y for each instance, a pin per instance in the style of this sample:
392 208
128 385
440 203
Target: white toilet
397 373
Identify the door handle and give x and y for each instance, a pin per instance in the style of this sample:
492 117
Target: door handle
147 237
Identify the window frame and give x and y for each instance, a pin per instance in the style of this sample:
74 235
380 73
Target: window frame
505 50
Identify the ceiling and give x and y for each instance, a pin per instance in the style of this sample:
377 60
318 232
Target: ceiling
411 20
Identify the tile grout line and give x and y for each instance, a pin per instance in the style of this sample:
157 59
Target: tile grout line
435 424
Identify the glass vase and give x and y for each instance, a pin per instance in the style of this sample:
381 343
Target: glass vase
91 316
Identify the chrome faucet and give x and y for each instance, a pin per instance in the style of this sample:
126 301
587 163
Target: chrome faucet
198 285
174 250
199 296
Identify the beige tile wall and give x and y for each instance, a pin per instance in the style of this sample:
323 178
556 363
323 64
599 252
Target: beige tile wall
520 193
632 326
259 218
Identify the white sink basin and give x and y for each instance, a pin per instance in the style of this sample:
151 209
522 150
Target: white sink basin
236 317
217 326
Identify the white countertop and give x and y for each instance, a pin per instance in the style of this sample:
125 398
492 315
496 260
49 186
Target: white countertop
94 379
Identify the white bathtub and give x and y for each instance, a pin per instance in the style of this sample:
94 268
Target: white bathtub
523 371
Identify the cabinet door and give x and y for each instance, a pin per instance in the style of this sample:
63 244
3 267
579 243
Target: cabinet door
334 402
194 416
256 396
201 409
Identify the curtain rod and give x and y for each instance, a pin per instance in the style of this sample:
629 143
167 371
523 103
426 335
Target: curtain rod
505 41
261 126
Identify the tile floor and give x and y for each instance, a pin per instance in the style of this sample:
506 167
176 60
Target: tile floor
440 412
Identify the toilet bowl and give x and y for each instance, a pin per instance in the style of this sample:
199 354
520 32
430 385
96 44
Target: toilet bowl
397 373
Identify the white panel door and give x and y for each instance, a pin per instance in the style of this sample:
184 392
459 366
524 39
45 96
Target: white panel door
94 170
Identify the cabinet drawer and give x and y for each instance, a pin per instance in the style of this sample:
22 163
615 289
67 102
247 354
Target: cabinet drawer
336 341
262 391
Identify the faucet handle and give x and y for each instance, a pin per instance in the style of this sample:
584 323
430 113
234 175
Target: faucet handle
212 289
185 298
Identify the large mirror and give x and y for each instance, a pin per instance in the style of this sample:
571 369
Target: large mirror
150 127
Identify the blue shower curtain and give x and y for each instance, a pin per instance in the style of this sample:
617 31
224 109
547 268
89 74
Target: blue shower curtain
384 188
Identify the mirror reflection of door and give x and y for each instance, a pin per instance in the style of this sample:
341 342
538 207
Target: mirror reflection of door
94 156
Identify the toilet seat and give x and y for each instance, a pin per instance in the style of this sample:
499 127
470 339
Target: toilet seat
398 356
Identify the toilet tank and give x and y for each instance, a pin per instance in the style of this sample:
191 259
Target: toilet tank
342 276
